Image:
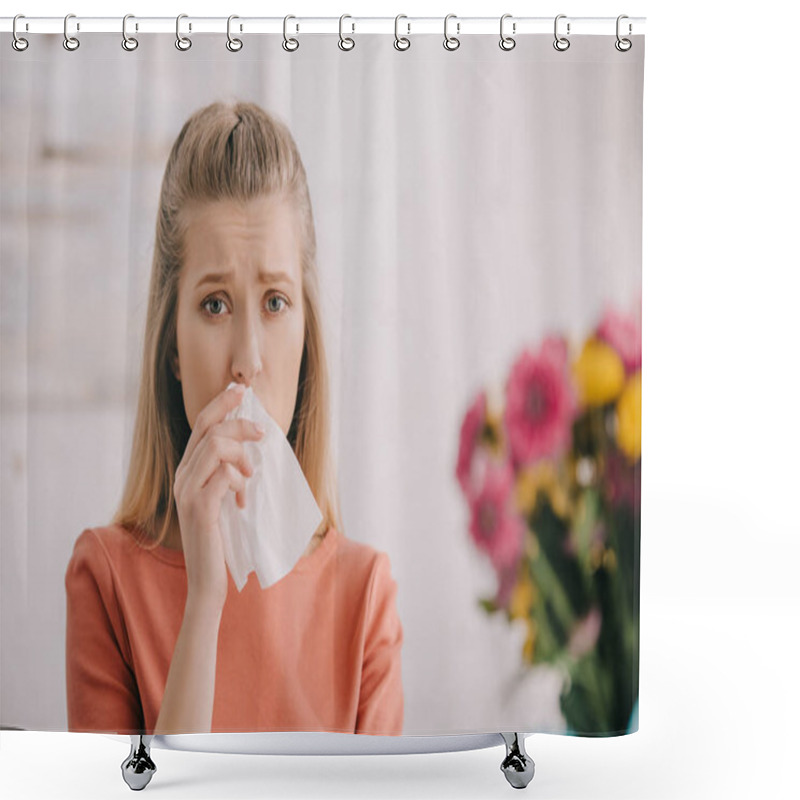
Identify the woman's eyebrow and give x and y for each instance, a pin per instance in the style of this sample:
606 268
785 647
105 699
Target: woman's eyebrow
263 277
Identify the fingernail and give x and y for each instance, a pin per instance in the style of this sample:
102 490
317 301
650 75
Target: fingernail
260 429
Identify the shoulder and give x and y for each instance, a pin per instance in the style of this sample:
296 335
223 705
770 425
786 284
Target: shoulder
373 566
97 551
376 597
361 557
111 540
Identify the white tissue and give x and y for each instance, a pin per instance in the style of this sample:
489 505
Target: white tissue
280 515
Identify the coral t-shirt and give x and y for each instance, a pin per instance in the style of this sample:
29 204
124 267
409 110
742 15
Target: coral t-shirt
319 650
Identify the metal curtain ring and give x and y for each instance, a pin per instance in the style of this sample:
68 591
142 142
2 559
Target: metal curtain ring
289 44
561 43
350 43
401 42
70 42
181 42
451 42
233 44
623 45
507 42
128 42
18 43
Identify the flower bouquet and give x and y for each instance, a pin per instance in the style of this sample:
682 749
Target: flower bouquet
551 475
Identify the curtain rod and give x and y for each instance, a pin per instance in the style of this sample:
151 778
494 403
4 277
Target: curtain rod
458 26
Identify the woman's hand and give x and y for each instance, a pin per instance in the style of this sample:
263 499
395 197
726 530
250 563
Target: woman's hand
213 462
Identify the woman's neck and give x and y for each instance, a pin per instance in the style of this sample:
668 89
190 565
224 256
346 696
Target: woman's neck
173 541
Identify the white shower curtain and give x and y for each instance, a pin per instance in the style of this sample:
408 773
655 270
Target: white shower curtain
467 205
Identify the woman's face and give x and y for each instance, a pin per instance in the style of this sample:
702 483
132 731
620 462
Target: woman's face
248 324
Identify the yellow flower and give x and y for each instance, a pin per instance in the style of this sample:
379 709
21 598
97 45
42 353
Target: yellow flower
601 556
526 488
629 417
494 430
523 595
529 648
531 545
599 372
540 476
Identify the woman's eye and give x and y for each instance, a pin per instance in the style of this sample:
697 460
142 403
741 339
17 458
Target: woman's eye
210 300
276 297
216 299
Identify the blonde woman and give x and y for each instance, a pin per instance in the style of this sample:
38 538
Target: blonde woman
158 639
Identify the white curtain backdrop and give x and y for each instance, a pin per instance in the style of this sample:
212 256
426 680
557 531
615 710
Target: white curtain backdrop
466 203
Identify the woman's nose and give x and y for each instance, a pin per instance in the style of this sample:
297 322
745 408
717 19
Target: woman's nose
247 355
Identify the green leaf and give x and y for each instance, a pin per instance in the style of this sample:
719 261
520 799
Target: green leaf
488 604
585 525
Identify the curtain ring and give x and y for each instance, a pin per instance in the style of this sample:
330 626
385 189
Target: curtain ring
623 45
233 44
506 42
291 44
342 39
451 42
128 42
401 42
181 42
560 40
18 43
70 42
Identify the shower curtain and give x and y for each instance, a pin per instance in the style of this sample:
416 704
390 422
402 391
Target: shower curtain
476 368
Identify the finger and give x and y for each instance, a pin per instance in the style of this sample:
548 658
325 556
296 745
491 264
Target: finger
239 429
214 412
212 451
225 478
215 450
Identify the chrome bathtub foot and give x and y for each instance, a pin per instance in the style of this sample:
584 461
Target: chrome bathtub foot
138 767
517 766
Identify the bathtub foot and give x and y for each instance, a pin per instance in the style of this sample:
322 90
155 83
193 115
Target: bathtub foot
138 767
517 766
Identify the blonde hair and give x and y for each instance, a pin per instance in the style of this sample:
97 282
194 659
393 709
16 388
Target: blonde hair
225 151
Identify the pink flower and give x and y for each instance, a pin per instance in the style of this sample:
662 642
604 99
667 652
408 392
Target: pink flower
624 334
506 580
494 525
540 403
584 635
623 481
471 428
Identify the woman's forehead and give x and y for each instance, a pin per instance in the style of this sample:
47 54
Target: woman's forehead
257 240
